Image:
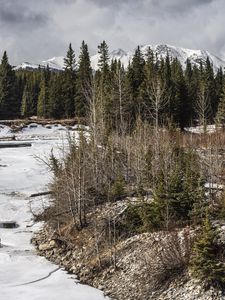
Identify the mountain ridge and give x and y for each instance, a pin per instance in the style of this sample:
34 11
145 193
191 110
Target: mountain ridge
182 54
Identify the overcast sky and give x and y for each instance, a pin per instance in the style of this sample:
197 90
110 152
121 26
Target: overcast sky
33 30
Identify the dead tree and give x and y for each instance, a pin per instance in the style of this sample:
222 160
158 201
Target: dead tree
203 107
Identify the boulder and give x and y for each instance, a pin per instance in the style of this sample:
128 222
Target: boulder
47 246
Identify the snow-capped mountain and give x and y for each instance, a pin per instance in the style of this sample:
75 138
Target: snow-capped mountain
55 64
195 57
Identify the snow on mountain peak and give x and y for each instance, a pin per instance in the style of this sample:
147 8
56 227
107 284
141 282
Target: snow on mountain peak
182 54
118 52
54 63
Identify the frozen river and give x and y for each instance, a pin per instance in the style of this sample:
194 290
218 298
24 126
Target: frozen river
23 274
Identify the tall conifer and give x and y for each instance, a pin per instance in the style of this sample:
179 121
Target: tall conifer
84 81
69 83
9 103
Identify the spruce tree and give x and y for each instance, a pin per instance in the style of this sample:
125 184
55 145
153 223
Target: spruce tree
9 103
103 62
56 107
103 88
180 110
84 82
135 78
69 60
210 89
20 85
138 64
43 98
69 83
166 77
205 263
181 190
27 105
191 90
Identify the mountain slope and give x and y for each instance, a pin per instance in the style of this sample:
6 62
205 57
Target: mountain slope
182 54
55 64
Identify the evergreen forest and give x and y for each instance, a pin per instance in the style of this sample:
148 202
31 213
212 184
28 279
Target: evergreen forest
151 88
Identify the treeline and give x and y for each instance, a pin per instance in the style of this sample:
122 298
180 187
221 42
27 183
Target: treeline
150 88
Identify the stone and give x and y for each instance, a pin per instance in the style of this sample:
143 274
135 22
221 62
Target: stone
46 246
53 244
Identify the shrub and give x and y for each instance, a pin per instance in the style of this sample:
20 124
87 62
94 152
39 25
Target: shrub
118 189
168 258
142 217
205 263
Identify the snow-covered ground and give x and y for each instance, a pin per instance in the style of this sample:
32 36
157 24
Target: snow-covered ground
200 129
23 274
36 131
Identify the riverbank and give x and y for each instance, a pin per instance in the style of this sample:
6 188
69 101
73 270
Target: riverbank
140 273
40 121
24 275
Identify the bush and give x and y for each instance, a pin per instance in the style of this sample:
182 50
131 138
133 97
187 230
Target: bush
142 217
205 263
118 189
167 259
181 191
218 210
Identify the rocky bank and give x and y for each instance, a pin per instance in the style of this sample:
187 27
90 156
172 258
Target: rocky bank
145 267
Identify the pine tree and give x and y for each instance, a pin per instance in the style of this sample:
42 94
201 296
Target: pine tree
180 190
103 88
43 98
84 82
179 104
205 264
69 83
166 77
69 60
146 87
210 88
56 108
20 85
9 103
138 64
191 86
27 105
103 62
135 78
193 92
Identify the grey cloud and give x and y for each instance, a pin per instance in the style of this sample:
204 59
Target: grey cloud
173 6
19 13
179 4
33 30
112 3
64 2
15 17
